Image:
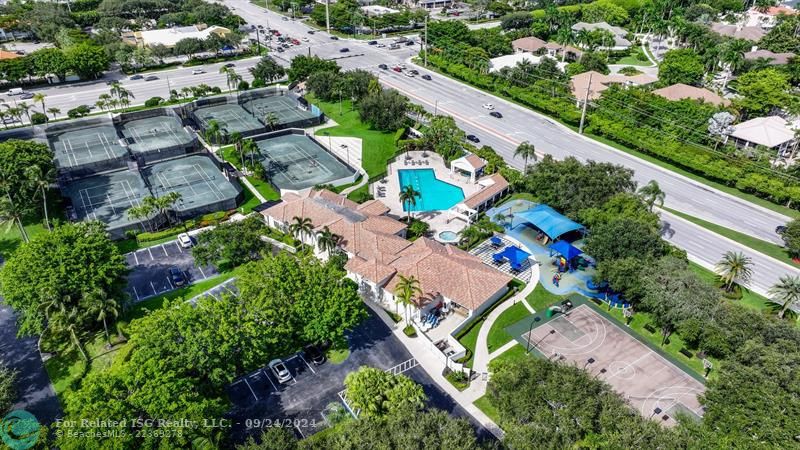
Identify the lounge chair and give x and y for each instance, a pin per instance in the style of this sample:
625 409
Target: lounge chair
427 162
496 241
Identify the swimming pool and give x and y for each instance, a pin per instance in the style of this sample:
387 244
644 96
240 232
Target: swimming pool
435 194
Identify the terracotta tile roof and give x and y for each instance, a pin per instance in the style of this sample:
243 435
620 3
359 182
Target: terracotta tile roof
373 207
681 91
559 47
601 82
529 44
782 9
475 161
370 269
775 58
8 55
491 186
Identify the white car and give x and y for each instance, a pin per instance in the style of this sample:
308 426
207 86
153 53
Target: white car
381 45
488 106
198 71
185 241
409 75
305 39
280 370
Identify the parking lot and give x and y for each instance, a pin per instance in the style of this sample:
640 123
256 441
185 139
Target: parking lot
149 269
260 400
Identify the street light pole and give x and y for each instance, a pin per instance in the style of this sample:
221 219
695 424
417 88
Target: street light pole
327 16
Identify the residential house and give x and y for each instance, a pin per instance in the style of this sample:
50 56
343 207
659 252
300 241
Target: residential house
738 31
769 18
773 59
591 84
536 46
429 4
378 254
682 91
620 41
501 62
772 132
168 37
377 10
528 44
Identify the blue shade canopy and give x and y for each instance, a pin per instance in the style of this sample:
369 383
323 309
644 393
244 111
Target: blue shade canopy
565 249
514 255
547 219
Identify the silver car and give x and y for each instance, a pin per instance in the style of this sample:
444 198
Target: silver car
279 369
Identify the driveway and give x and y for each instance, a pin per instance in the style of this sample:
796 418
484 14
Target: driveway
260 401
36 394
148 269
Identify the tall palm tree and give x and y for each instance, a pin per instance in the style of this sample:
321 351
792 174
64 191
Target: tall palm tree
408 198
527 151
11 215
301 227
564 37
251 149
106 308
785 293
37 177
212 131
406 291
39 98
733 268
272 120
24 108
67 322
652 194
328 241
142 211
236 140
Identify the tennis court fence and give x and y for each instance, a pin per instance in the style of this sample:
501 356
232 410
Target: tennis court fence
181 143
78 156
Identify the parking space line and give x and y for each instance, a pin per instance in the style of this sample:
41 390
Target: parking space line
251 389
136 293
171 287
307 364
179 247
151 253
269 379
136 258
201 272
155 292
298 429
166 253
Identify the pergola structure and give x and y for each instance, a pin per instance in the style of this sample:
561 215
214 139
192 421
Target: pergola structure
472 165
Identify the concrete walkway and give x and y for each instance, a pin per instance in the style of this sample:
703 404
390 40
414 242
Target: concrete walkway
364 180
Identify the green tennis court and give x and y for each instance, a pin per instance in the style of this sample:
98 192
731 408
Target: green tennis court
155 133
230 117
284 109
86 146
200 183
295 162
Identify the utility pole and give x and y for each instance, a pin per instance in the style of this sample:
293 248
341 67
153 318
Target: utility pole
327 16
585 102
425 49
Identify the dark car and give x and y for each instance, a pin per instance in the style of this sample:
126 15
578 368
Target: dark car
473 138
426 77
414 71
334 38
344 50
176 276
311 31
496 114
409 43
383 67
280 49
136 77
780 229
151 78
314 354
230 65
372 42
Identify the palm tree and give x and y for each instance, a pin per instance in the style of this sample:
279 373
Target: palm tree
733 268
41 180
301 227
406 290
652 194
408 198
328 241
24 108
785 293
236 140
141 211
564 37
527 151
67 322
212 131
250 148
10 215
271 119
105 307
39 98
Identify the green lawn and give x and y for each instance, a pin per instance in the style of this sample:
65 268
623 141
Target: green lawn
10 238
498 336
633 61
749 298
485 404
470 340
767 248
377 146
264 188
541 298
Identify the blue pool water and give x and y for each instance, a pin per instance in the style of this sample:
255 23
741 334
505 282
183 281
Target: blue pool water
435 194
448 236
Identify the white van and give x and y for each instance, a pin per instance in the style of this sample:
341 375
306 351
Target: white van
15 91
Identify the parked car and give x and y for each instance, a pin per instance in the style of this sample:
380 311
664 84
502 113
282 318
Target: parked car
151 78
279 369
314 354
344 50
488 106
285 19
280 49
229 65
296 42
372 42
496 114
473 138
176 276
334 38
426 77
136 77
383 67
305 39
409 43
311 31
381 45
397 69
26 95
780 229
198 71
185 241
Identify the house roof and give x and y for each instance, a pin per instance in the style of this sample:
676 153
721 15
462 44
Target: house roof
600 83
8 55
170 36
490 186
619 33
681 91
512 60
769 131
775 58
778 10
529 44
560 47
752 33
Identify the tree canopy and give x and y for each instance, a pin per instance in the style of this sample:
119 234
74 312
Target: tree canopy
681 66
377 393
231 244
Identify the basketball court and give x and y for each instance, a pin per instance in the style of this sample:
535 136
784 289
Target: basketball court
230 117
107 197
654 386
200 183
283 108
155 133
87 146
295 162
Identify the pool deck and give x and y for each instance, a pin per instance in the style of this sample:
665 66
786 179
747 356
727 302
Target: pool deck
389 193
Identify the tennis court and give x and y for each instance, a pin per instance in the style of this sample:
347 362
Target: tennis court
654 386
295 162
92 146
202 186
107 197
230 117
155 133
285 109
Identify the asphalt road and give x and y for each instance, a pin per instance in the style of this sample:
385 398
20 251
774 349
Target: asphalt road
464 103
